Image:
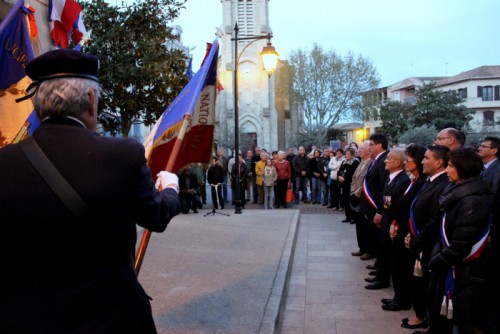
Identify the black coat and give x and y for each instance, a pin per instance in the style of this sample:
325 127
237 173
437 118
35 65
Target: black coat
63 276
427 216
403 209
347 171
390 200
467 216
215 174
375 178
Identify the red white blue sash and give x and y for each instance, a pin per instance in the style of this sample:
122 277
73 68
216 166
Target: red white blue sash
368 195
476 250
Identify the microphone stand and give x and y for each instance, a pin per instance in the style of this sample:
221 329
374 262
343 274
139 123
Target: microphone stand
218 204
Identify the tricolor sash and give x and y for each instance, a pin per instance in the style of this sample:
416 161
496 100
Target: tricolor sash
368 195
475 252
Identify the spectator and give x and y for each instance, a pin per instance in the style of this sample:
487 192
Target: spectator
344 176
284 172
239 174
316 171
223 162
248 162
259 169
189 191
326 175
269 178
215 176
451 138
334 166
300 165
255 160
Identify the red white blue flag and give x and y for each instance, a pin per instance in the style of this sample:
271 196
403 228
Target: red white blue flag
15 53
65 22
198 100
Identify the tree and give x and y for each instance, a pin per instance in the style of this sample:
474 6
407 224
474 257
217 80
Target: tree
440 109
424 135
394 116
328 87
139 74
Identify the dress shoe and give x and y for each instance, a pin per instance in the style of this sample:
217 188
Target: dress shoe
346 220
371 279
358 253
386 301
420 332
374 273
367 257
377 286
325 204
352 221
371 267
423 324
330 207
335 209
395 307
306 201
195 211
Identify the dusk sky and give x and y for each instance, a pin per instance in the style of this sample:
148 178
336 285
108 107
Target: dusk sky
401 38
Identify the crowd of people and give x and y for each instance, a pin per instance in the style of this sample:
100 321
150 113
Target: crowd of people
428 216
425 214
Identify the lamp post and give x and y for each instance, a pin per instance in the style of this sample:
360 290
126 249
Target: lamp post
270 59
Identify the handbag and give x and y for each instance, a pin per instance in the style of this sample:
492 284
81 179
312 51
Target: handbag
289 193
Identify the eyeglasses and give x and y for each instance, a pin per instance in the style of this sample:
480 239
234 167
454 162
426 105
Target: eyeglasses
442 138
484 146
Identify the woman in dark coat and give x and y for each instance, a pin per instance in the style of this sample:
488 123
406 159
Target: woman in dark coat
344 177
458 265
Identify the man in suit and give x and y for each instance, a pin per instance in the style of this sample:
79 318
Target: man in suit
392 194
451 138
70 271
373 184
489 151
424 225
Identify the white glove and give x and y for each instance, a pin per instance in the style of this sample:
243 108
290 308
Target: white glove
167 180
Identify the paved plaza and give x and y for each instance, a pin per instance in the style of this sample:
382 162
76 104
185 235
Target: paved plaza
231 274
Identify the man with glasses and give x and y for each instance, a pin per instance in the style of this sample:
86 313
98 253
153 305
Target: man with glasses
451 138
489 151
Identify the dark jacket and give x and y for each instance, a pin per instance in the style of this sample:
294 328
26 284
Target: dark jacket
63 276
215 174
347 171
300 164
402 214
427 217
390 200
467 216
375 177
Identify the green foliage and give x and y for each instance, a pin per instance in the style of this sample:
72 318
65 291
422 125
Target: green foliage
328 87
434 110
424 135
440 109
395 116
139 75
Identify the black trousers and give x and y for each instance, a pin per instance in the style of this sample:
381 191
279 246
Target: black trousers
217 196
363 233
280 192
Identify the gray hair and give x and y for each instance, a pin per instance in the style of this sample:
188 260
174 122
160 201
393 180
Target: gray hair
64 97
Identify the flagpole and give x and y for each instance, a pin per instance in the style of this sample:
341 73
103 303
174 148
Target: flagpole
141 250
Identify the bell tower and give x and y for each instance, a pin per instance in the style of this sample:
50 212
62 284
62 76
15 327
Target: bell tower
256 98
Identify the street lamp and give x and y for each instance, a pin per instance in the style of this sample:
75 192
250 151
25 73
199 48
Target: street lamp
270 59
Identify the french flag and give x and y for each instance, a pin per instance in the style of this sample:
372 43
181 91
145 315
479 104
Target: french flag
65 18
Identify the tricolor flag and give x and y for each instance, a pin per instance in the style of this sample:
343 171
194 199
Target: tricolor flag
15 53
65 20
198 100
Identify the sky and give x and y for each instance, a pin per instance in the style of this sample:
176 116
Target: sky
401 38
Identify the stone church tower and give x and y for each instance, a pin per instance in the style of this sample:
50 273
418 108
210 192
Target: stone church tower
258 120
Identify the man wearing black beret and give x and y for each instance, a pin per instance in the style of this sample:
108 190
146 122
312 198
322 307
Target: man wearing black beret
68 270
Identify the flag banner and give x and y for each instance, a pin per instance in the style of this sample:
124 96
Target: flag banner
198 100
15 53
65 19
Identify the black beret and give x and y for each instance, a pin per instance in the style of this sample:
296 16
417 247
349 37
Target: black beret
63 63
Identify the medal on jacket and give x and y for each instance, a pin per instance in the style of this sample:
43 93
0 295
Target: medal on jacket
387 202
